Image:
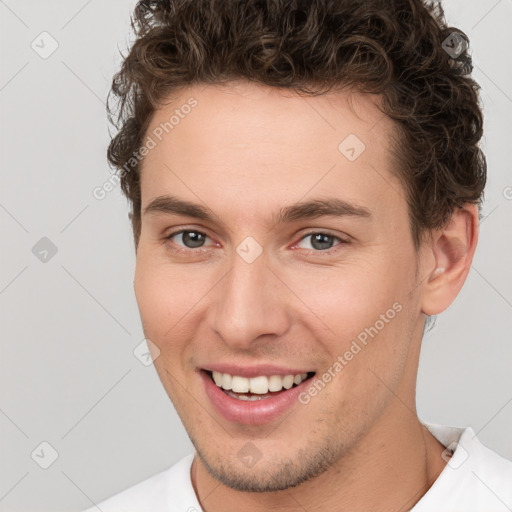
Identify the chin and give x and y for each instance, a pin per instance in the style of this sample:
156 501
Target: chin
251 470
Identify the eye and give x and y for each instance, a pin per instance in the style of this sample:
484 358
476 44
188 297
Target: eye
190 239
321 242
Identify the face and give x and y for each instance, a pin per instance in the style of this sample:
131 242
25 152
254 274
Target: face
274 244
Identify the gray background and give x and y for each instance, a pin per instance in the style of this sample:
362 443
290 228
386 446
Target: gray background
69 325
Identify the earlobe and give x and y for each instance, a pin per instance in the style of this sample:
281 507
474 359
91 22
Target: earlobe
452 248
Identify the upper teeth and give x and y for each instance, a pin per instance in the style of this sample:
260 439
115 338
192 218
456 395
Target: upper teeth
259 385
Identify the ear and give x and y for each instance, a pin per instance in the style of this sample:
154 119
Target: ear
451 249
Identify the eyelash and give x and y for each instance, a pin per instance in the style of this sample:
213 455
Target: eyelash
188 250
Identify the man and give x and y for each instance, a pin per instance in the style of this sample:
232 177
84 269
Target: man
305 182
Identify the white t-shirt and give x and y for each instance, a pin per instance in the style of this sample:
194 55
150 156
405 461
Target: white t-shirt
475 479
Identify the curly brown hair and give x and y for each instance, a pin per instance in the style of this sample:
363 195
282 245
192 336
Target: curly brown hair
399 50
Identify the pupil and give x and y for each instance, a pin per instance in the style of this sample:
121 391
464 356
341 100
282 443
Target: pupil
193 239
321 241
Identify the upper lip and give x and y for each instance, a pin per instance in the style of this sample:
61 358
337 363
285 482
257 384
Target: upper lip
254 370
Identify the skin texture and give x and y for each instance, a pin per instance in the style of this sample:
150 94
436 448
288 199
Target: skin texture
246 151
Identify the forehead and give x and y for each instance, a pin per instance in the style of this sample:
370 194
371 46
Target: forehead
250 142
243 114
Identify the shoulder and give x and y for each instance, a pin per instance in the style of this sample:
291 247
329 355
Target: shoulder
163 491
475 478
491 471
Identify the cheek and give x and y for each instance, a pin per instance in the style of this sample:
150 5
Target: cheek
361 314
347 299
163 296
166 307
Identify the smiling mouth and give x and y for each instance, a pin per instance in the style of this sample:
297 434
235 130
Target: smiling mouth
256 388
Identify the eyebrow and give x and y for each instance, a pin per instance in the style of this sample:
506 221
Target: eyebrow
329 207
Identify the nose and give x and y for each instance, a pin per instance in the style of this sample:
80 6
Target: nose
250 304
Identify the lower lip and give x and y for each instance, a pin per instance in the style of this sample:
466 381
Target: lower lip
256 412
